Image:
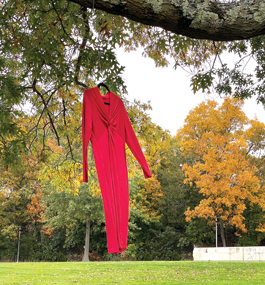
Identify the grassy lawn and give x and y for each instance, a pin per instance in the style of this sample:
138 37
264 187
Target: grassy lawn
149 272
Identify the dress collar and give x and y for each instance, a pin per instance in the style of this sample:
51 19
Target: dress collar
106 110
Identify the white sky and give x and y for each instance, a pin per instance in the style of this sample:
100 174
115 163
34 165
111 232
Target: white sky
168 90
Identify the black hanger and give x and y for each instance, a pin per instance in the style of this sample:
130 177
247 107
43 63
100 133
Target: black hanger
101 84
104 85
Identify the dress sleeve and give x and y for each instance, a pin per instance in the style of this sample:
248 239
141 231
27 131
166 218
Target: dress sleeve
86 133
133 144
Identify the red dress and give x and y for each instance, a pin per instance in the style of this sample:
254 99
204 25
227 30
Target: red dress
108 127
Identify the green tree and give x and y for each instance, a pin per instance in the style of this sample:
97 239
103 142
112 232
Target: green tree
74 214
174 191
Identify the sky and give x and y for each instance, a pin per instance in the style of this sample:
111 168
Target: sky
168 90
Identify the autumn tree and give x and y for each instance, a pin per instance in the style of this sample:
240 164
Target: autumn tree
47 60
52 50
68 204
154 141
18 185
218 140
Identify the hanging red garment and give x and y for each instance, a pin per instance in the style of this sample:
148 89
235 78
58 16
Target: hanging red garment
108 127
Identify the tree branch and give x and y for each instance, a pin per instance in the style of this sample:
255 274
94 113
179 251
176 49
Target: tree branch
200 19
68 140
46 107
62 23
36 126
82 48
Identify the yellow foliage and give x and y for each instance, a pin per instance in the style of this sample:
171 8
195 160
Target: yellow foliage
147 197
217 139
94 189
11 178
65 177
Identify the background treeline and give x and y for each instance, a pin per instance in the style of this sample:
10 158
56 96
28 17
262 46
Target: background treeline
50 51
170 213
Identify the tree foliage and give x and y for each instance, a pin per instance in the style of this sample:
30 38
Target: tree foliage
50 51
220 140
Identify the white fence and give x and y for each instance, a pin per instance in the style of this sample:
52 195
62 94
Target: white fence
253 253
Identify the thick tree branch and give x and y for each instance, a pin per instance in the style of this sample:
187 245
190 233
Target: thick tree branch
82 48
45 106
68 140
62 23
200 19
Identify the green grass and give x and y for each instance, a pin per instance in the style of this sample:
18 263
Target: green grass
149 272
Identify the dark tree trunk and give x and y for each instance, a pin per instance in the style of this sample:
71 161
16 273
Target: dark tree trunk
200 19
222 233
86 249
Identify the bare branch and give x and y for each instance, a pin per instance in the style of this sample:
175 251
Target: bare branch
68 140
36 126
46 107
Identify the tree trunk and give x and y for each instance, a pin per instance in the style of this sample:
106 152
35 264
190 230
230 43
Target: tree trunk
222 233
15 216
86 247
200 19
